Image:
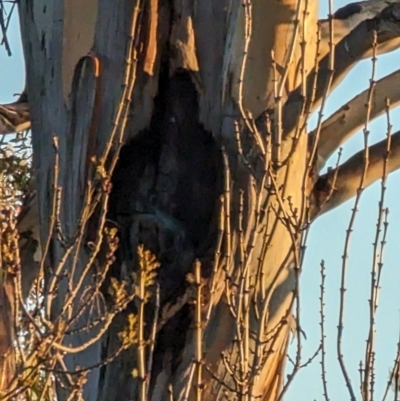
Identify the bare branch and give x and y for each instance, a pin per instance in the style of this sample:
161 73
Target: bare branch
347 120
341 184
346 18
14 117
348 52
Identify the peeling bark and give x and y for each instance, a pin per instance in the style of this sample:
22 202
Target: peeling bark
194 169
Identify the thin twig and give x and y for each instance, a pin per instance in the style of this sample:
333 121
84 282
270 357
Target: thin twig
348 235
323 336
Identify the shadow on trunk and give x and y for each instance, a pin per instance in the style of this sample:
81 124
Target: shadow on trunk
165 195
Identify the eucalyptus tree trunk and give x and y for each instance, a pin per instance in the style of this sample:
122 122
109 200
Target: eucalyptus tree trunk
182 126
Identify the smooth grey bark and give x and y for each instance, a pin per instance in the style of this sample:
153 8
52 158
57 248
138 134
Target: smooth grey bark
56 35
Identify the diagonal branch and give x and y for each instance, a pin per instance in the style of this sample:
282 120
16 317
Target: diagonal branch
341 184
347 120
348 52
346 18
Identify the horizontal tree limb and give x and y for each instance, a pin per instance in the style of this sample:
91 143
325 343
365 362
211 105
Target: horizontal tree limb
348 52
348 17
14 117
347 120
341 184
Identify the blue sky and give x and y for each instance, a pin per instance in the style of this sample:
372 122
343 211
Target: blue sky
12 74
326 242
